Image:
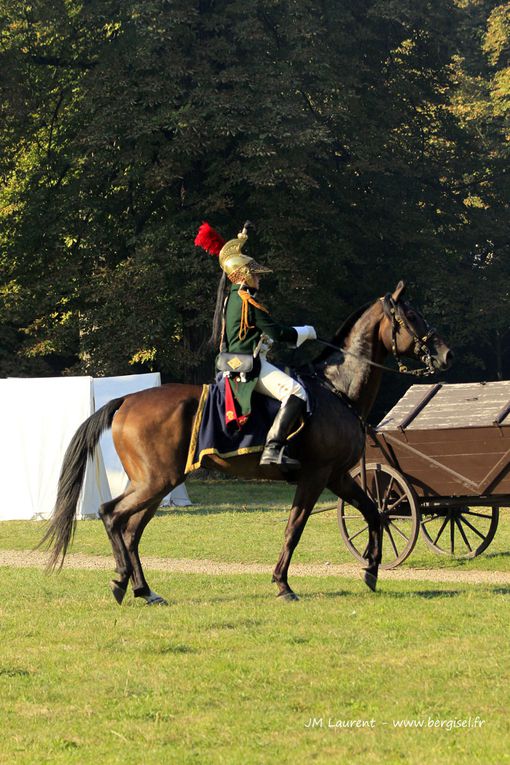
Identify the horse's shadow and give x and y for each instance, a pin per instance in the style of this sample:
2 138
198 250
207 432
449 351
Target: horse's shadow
505 554
317 595
218 510
424 594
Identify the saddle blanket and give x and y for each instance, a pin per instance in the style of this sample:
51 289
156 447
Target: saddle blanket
212 434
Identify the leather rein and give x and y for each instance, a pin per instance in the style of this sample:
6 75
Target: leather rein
393 310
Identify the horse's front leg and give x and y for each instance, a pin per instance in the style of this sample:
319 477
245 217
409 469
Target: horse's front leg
307 493
347 489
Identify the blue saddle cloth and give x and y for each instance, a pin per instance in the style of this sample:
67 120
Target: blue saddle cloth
212 435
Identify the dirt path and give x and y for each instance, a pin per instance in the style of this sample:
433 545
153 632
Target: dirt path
28 559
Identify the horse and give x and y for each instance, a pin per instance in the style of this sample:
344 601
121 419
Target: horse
152 429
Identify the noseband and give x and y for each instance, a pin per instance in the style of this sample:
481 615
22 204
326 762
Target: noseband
394 312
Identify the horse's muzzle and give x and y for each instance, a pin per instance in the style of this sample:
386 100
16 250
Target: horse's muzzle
442 358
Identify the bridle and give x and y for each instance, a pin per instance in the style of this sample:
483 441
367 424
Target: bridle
393 310
398 318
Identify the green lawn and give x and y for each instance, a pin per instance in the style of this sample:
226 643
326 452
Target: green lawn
228 674
240 521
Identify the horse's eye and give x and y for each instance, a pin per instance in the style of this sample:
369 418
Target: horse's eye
411 315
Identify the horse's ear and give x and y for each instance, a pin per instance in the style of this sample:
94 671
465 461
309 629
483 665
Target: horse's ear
399 291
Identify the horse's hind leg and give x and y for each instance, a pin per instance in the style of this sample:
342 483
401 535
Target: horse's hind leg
347 488
132 534
138 499
123 565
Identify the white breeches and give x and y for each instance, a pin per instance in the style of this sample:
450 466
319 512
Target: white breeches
276 384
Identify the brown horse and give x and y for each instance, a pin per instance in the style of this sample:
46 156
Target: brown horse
152 429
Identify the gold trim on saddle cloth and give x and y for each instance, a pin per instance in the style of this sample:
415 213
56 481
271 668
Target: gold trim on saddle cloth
196 429
192 464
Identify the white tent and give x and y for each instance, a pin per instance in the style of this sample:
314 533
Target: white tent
105 389
38 417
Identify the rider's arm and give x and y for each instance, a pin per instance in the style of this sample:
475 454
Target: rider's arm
282 332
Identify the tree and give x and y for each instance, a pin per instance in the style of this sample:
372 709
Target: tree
366 139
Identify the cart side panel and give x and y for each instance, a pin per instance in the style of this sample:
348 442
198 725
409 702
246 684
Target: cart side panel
469 461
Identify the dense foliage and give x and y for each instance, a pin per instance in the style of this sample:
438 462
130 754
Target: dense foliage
368 139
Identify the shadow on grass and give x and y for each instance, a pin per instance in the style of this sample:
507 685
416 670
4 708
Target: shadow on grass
176 649
425 594
270 597
230 507
497 555
308 597
241 598
218 509
14 672
433 594
250 623
335 594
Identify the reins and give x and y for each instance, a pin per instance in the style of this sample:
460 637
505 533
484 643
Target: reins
402 370
420 344
357 356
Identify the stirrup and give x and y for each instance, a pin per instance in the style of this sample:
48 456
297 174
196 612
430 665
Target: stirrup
273 455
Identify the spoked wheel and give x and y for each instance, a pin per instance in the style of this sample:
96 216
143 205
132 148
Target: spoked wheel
397 504
462 532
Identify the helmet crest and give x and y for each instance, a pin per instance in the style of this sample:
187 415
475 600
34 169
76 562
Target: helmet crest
209 239
233 261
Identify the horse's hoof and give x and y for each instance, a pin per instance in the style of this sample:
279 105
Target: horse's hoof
155 600
118 591
287 596
370 580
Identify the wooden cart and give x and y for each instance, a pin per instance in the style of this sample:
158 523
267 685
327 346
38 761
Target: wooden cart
439 462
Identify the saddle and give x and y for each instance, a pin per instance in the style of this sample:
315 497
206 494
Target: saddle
217 430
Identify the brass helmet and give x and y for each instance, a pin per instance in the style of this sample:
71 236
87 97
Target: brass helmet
234 263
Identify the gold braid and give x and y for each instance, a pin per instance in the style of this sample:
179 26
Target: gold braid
247 301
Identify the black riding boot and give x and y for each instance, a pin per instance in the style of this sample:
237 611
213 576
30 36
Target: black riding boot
286 418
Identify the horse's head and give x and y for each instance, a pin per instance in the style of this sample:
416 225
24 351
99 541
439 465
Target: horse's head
404 332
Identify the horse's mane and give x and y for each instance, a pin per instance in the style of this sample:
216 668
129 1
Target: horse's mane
341 334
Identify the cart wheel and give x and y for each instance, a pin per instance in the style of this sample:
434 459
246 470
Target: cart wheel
462 532
397 504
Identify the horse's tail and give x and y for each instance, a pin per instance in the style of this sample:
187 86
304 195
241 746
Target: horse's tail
62 522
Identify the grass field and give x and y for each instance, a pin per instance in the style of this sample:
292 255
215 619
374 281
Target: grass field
244 522
228 674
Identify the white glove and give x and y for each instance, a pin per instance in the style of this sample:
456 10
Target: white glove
305 333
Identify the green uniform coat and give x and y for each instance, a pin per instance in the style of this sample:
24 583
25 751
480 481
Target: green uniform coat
260 323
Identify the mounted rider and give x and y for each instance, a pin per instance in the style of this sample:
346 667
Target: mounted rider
246 331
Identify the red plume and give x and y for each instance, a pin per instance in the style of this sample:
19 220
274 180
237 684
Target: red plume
209 239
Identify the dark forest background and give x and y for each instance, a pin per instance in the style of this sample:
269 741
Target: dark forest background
368 139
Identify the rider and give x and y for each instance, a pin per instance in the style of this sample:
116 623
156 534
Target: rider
247 328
